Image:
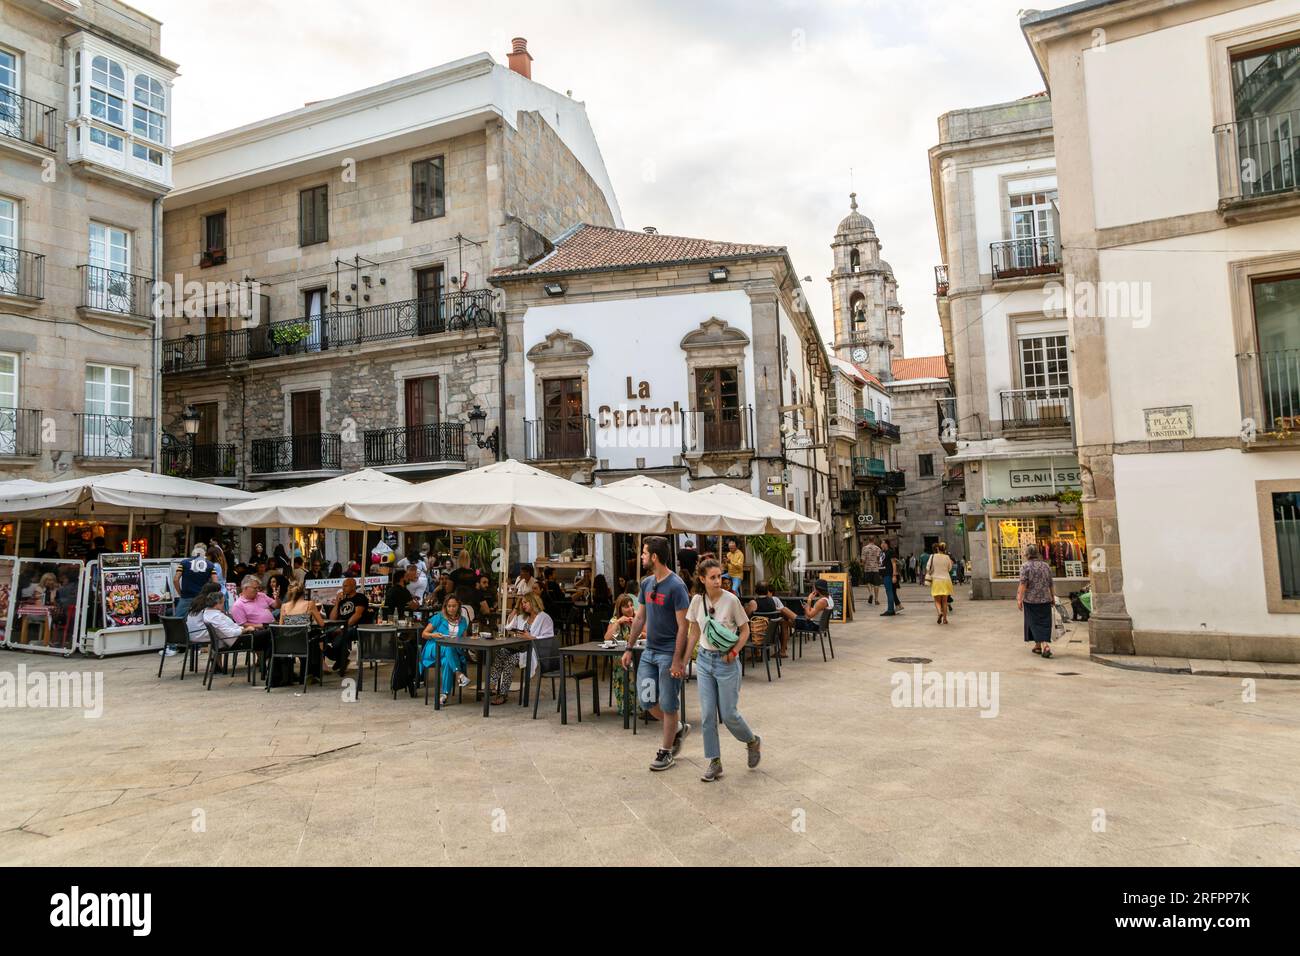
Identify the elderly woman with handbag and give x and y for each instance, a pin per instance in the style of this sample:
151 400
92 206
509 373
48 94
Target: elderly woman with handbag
1036 597
718 622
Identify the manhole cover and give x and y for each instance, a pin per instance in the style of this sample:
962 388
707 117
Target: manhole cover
910 660
1067 673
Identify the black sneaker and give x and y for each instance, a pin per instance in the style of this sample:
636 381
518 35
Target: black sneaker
663 760
682 731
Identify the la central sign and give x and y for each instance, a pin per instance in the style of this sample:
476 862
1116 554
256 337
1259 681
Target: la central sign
625 416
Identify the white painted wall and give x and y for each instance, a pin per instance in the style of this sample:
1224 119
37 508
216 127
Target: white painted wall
1030 175
640 338
1150 117
1192 558
801 479
1181 352
1000 353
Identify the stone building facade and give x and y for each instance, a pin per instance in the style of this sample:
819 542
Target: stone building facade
1183 304
692 361
85 156
1009 425
927 507
343 318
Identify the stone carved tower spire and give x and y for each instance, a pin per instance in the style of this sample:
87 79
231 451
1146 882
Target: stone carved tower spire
864 294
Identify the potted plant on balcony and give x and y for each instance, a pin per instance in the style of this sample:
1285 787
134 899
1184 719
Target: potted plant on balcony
288 333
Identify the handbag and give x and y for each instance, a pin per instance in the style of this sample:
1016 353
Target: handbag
718 634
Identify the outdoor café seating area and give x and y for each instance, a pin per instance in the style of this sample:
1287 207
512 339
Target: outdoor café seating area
356 638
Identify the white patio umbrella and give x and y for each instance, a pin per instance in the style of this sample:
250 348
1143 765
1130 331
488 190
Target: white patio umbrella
130 494
778 520
686 513
319 505
508 495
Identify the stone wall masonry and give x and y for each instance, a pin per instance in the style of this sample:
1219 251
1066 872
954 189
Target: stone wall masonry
370 217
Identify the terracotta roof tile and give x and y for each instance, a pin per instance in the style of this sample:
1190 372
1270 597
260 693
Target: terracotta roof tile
588 248
928 366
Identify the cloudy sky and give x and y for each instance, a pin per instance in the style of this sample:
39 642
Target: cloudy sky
724 119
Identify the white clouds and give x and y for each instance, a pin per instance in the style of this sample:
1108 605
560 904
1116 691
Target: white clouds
750 115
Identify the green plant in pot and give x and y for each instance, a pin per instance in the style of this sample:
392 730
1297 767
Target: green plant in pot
776 553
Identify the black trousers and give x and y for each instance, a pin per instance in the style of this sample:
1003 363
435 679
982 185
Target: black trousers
339 647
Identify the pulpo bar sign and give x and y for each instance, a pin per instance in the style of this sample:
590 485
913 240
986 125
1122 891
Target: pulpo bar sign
1043 477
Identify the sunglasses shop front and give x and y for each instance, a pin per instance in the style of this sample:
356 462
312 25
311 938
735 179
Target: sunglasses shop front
1034 501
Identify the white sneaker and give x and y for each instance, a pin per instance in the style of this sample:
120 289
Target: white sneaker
442 700
169 651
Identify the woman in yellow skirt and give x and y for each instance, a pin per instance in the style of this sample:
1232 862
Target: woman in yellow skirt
938 574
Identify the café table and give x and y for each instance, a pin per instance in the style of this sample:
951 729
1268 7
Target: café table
598 649
487 648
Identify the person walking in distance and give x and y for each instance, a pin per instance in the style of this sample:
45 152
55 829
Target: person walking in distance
870 559
661 612
889 576
719 624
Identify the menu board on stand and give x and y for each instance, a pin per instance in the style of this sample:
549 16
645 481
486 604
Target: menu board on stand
841 597
121 588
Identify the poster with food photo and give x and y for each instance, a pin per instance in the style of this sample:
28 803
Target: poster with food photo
7 566
122 589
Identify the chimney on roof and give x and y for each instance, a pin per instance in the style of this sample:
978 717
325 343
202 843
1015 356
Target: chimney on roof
520 60
649 230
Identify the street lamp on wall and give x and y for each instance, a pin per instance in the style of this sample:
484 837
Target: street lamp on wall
477 425
190 419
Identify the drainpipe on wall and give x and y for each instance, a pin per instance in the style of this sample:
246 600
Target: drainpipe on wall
155 353
502 447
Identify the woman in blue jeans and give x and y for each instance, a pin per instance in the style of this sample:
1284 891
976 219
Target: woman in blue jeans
451 621
715 619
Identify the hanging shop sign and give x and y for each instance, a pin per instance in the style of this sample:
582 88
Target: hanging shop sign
122 589
866 521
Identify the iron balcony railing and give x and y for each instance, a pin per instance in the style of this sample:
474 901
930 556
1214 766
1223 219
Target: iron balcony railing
895 480
180 459
1270 392
869 468
107 290
413 444
710 430
940 280
291 453
1021 258
311 334
20 432
884 429
560 439
114 436
22 273
26 119
1258 156
1046 407
850 501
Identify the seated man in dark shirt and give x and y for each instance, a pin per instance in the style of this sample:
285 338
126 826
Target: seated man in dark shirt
768 605
350 607
398 598
687 560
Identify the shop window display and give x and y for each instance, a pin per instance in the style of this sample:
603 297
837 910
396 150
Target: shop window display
1061 540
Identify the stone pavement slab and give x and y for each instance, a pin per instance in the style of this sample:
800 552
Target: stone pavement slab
988 755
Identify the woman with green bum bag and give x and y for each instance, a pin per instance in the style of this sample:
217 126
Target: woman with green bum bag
718 622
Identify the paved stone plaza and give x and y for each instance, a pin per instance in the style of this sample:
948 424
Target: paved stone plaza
1184 770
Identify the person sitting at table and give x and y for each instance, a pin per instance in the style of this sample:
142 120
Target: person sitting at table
253 606
620 629
601 595
538 594
297 609
453 622
51 550
398 598
766 603
336 569
529 619
49 587
207 609
486 597
444 590
350 607
524 583
551 586
818 601
299 573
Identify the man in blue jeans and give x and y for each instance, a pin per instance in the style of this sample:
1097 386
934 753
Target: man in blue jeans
661 611
888 571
